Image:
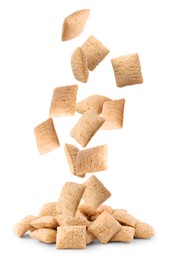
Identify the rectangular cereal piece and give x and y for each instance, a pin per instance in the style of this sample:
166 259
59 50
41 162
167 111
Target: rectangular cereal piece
86 127
46 235
48 209
143 230
125 234
71 237
45 222
124 217
23 225
71 152
72 221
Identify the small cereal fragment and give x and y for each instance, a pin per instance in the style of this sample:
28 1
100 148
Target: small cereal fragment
72 221
95 192
23 225
104 227
93 103
87 210
86 127
46 235
127 70
95 52
63 101
69 199
48 209
92 160
46 136
71 237
74 24
101 208
45 222
79 65
124 218
143 230
89 237
125 234
113 114
71 154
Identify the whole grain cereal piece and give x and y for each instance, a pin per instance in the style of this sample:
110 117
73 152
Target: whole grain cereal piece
95 52
125 234
71 237
113 112
48 209
93 103
46 136
91 160
69 199
143 230
86 127
46 235
124 218
127 70
71 152
101 208
23 225
89 237
87 210
63 101
45 222
74 24
104 227
79 65
72 221
95 192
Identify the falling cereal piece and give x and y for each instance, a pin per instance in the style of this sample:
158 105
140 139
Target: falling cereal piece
71 152
89 237
125 234
95 52
143 230
74 24
113 114
86 127
46 235
63 101
72 221
124 218
48 209
127 70
45 222
71 237
23 225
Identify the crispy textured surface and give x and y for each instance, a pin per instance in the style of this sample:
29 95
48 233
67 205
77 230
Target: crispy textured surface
127 70
46 136
104 227
101 208
71 237
86 127
74 24
113 112
95 192
72 221
71 152
69 199
93 103
95 52
79 65
143 230
124 217
89 237
63 101
48 209
45 222
125 234
92 160
86 209
46 235
23 225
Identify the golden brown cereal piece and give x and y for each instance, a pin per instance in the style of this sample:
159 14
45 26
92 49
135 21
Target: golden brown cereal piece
45 222
127 70
93 103
86 127
79 65
23 225
46 235
48 209
71 237
125 234
101 208
46 136
63 101
92 160
113 112
94 217
143 230
71 154
95 192
89 237
124 218
74 24
86 209
95 52
72 221
104 227
69 199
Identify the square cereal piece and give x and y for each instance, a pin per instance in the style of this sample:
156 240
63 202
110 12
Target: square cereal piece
104 227
125 234
63 101
127 70
95 193
46 136
86 127
71 237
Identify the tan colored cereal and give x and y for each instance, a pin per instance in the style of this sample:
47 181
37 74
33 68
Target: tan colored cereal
79 65
94 217
46 235
63 101
93 103
48 209
72 221
71 154
89 237
71 237
101 208
69 199
74 24
95 192
113 112
46 136
125 234
23 225
127 70
95 52
91 160
86 209
45 222
124 218
143 230
104 227
86 127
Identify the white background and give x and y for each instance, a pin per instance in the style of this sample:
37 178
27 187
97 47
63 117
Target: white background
33 61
